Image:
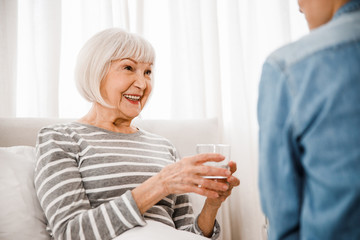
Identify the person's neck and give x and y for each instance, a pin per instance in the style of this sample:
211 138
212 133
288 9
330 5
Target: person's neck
108 119
338 4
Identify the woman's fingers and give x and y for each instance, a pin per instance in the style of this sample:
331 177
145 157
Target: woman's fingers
187 175
195 165
205 192
204 170
207 157
232 166
214 189
211 184
198 189
233 181
206 187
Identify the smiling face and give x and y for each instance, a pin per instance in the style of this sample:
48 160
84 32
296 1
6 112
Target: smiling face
127 87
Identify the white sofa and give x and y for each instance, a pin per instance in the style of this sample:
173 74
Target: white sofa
21 215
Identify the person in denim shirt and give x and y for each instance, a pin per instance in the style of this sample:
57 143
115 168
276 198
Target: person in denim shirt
309 119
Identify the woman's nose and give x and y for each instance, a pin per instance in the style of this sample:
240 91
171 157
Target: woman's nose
140 81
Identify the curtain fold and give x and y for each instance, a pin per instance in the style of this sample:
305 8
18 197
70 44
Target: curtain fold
39 42
8 57
139 17
209 58
187 66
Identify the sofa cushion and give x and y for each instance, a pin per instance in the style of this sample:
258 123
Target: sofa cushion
21 214
154 230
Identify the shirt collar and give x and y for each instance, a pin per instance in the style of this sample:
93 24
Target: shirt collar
353 5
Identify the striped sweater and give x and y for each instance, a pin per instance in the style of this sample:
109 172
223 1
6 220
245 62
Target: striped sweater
84 176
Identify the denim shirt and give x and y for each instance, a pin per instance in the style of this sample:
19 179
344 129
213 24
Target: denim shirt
309 133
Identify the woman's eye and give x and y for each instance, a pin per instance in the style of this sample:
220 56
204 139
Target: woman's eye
128 68
148 72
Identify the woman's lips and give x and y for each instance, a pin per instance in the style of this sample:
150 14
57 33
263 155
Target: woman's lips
134 99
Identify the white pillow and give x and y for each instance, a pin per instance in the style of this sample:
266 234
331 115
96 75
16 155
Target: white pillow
158 231
21 214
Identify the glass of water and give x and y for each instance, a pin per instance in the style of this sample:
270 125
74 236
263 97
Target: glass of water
222 149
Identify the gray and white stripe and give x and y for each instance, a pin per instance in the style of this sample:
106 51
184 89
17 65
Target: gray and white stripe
84 177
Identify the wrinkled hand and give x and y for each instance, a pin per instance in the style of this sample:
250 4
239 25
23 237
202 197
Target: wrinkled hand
187 174
231 181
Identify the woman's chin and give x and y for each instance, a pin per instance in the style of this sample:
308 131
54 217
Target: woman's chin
131 115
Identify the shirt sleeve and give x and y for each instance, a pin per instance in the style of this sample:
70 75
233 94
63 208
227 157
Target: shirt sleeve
62 195
280 180
183 217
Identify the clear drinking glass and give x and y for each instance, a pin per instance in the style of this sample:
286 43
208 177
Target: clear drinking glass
222 149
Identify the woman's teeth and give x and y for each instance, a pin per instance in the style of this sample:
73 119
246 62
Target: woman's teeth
132 98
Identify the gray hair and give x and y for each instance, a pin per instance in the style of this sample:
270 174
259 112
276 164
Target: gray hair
99 51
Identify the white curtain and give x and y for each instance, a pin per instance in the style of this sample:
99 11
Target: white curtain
8 50
209 58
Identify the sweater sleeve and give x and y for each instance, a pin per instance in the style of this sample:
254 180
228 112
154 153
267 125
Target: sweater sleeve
62 195
184 217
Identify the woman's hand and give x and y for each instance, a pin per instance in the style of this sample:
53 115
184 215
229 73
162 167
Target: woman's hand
183 176
187 174
223 195
207 216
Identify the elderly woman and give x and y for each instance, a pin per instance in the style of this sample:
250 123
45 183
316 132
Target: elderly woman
101 176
